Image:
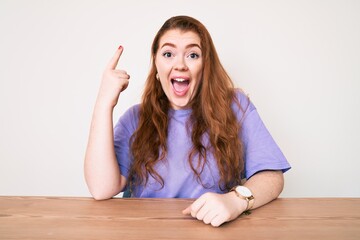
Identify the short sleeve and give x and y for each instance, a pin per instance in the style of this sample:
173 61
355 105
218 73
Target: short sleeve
261 151
123 131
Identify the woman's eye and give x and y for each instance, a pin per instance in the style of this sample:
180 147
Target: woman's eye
167 54
194 55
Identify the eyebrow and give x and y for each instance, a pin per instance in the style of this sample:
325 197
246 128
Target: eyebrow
187 46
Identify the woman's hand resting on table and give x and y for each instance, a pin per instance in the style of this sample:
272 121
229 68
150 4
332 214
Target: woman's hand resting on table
216 209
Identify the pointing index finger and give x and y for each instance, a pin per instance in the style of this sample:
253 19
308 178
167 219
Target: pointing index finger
115 59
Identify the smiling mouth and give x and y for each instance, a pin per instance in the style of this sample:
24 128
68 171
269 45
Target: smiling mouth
180 85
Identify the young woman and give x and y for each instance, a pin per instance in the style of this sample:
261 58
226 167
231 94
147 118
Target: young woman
194 135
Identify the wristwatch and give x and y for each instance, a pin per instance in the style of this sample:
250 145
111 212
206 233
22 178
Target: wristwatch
244 193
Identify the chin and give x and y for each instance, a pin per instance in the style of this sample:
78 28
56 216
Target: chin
180 105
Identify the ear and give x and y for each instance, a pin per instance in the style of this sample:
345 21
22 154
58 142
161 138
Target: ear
157 76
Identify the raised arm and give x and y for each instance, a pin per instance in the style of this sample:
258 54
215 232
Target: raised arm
102 173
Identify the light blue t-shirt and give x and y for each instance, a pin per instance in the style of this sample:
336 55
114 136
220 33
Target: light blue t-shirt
261 153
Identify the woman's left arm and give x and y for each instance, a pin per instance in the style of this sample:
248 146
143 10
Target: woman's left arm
215 209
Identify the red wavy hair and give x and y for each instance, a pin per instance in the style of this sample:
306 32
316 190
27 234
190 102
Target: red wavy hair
211 115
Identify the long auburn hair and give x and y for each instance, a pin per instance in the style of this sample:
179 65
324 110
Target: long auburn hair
211 115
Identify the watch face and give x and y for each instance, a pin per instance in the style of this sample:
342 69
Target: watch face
244 191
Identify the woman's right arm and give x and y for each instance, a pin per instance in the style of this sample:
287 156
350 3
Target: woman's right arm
102 173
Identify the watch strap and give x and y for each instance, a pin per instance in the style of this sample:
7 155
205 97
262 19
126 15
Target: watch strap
249 200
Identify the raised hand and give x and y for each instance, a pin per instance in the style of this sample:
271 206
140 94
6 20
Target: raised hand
114 81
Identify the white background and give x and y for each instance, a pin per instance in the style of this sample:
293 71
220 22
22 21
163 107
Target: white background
299 61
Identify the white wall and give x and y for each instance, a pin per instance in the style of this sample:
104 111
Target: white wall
299 61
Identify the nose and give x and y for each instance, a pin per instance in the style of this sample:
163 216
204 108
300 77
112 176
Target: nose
180 64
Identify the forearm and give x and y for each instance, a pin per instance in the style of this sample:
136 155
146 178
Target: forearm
265 186
102 172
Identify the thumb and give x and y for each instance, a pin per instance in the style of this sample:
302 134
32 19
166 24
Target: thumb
187 210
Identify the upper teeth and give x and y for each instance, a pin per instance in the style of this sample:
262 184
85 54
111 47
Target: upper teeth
180 79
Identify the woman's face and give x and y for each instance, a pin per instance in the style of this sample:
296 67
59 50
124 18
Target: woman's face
179 65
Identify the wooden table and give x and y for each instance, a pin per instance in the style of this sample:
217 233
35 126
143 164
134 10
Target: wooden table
84 218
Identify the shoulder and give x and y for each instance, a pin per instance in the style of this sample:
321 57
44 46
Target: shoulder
130 119
131 113
242 104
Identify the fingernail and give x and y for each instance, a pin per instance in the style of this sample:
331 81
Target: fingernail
120 47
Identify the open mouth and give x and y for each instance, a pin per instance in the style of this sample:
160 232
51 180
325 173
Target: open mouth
180 85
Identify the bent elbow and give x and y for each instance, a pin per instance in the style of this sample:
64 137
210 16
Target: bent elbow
100 196
279 183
